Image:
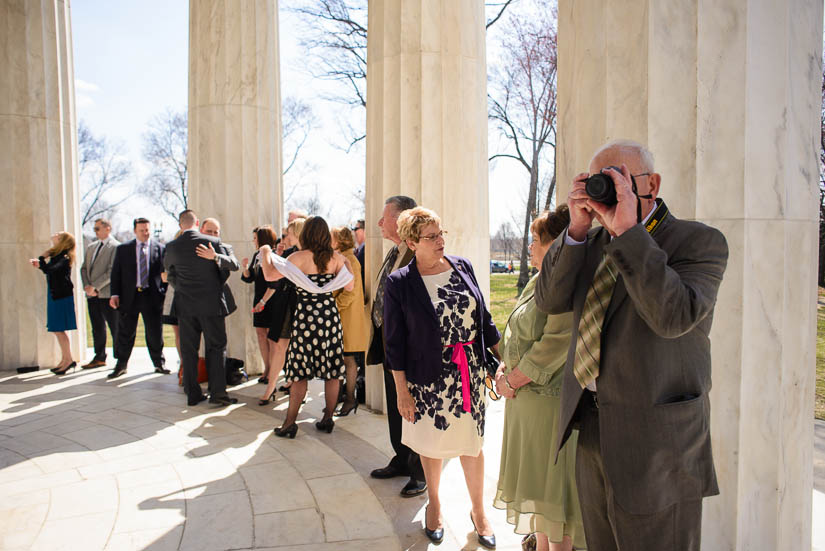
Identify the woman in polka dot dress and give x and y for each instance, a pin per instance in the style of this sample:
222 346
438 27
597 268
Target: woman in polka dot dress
316 345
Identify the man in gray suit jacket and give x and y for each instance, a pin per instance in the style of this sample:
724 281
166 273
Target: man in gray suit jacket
642 289
195 264
96 274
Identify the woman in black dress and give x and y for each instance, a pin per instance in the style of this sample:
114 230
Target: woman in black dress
263 290
56 263
316 346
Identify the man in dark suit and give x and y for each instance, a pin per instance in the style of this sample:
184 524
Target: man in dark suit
406 462
96 274
137 289
642 289
195 264
360 240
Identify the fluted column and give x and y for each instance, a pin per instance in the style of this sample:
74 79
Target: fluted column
727 97
427 126
235 135
38 161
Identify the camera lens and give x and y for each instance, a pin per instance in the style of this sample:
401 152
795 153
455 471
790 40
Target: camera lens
600 188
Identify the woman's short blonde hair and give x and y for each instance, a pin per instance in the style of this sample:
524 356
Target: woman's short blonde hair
412 221
297 226
343 235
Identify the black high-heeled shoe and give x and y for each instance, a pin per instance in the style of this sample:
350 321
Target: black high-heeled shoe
486 541
436 536
263 402
58 371
289 431
325 424
347 407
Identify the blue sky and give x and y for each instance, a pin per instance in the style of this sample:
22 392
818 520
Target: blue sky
131 63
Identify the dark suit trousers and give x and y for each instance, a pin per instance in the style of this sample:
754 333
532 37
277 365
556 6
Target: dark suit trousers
213 329
151 312
608 527
100 315
405 459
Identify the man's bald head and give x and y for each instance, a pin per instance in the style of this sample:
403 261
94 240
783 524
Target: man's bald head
211 226
639 161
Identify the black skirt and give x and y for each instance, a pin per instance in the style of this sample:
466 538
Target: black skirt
282 304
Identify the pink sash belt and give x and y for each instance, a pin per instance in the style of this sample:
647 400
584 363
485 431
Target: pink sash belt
460 359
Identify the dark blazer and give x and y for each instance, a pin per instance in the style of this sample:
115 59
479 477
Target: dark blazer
198 282
124 274
58 272
654 377
359 254
375 353
412 332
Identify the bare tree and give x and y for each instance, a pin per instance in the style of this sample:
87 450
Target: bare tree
298 121
821 277
523 105
165 148
101 169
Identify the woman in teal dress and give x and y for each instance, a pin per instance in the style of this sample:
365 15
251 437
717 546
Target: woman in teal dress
540 498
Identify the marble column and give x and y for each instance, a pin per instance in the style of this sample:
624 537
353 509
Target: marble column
727 97
38 161
427 127
235 136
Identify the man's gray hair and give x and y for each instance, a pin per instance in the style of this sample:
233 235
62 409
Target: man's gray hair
401 203
299 213
643 153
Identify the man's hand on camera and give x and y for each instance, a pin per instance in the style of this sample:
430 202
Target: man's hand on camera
622 216
581 213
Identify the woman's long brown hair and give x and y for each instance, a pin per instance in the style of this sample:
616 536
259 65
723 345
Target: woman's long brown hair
315 237
65 244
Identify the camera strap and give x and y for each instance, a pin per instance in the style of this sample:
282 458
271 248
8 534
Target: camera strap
638 199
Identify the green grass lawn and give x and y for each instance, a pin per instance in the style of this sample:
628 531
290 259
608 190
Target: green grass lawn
140 338
819 404
503 295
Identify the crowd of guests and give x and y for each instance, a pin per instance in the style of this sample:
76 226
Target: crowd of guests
603 362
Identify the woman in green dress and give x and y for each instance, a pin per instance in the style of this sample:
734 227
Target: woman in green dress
540 498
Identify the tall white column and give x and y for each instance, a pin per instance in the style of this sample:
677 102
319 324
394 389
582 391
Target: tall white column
38 161
427 126
727 97
235 135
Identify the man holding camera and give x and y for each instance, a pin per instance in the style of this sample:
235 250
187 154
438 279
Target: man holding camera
642 289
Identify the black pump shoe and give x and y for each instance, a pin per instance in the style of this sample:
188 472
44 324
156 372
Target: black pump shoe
347 407
289 431
58 371
263 402
435 536
486 541
326 424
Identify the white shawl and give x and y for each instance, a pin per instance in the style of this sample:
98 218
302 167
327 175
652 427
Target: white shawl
299 278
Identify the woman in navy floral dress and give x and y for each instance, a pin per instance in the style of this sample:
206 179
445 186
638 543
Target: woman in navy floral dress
436 328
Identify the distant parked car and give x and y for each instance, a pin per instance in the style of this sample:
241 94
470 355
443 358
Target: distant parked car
498 267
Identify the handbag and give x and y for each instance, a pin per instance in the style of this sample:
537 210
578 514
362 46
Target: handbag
491 363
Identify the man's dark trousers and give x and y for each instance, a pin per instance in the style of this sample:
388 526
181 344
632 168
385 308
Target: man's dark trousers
151 312
213 329
100 315
607 526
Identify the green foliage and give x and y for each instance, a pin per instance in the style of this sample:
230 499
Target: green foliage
503 295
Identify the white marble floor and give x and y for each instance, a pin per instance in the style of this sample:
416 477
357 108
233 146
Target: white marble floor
90 464
87 463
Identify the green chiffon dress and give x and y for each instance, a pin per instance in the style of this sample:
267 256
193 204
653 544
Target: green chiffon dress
537 495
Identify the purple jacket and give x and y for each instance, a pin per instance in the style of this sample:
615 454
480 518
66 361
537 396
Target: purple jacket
412 332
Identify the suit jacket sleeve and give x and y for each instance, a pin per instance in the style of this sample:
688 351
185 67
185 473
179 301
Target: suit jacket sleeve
168 266
559 272
226 259
671 294
117 272
107 277
84 272
395 327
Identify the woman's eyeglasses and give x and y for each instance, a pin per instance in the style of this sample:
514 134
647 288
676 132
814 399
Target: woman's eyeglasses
488 382
435 236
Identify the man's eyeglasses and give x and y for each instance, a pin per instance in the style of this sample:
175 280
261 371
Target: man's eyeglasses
488 382
435 236
97 228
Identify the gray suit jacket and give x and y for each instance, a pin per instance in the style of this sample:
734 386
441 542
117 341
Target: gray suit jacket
199 283
655 372
99 274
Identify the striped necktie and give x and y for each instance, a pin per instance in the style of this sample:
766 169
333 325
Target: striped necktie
588 345
378 303
143 269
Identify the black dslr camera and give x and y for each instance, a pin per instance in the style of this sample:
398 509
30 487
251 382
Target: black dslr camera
600 187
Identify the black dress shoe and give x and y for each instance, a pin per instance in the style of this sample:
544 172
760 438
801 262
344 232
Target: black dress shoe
414 488
223 401
196 401
263 380
117 372
162 370
486 541
390 471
